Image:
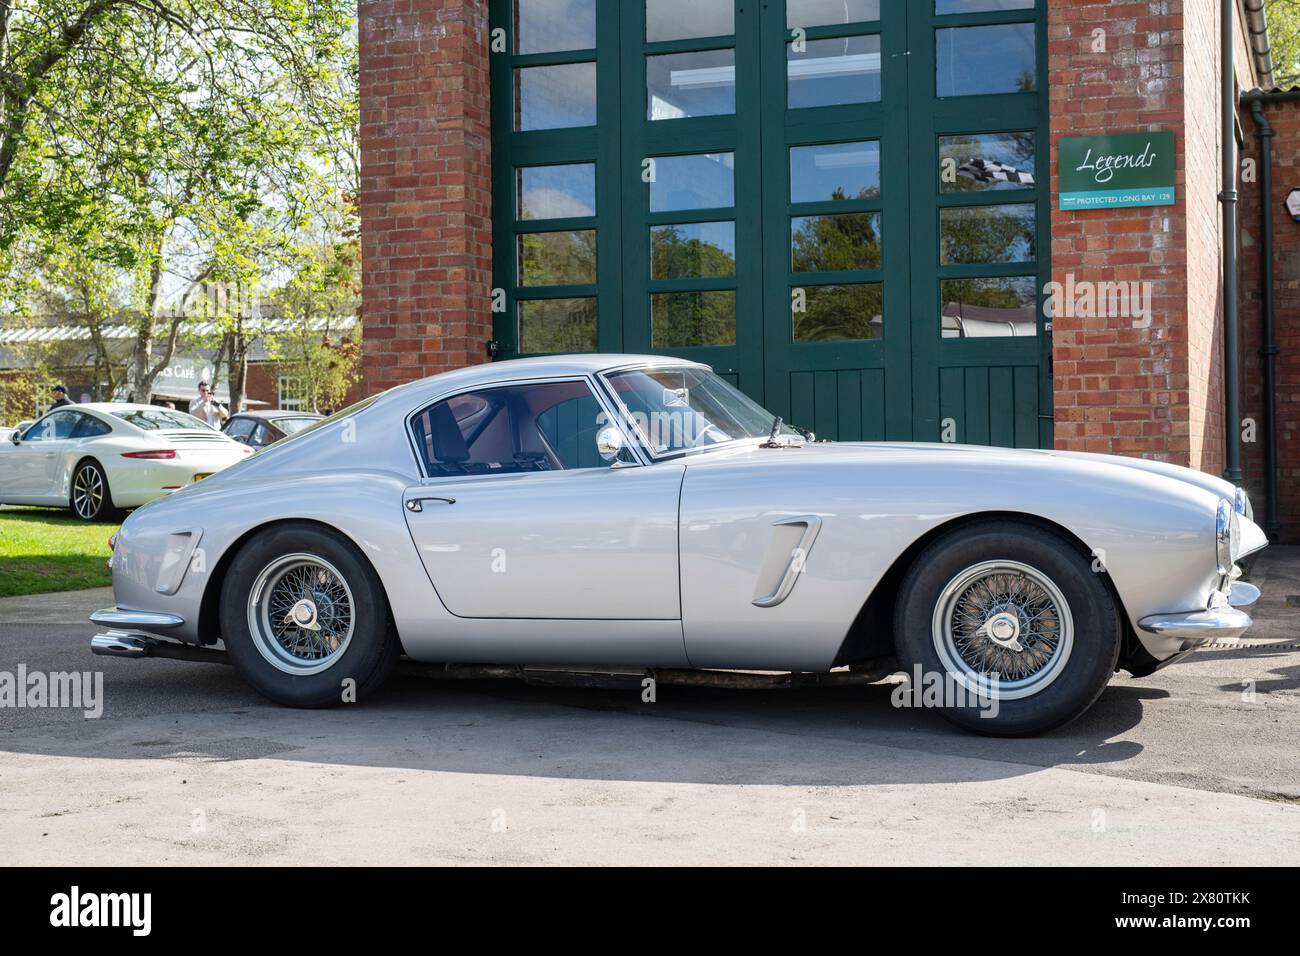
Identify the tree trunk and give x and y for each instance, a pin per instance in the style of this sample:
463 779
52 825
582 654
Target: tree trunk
238 369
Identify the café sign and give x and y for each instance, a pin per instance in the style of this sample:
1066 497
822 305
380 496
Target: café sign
1121 169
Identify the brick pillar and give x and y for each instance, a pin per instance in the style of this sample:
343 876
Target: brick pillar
426 187
1285 120
1154 392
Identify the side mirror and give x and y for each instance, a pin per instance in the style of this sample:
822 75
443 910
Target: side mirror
17 436
609 442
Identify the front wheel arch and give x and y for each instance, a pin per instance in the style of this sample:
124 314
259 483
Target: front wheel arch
871 635
210 605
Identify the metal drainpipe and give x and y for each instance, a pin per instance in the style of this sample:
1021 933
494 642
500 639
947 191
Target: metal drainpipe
1269 350
1228 107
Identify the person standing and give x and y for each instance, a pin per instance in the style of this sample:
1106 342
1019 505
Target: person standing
60 395
205 407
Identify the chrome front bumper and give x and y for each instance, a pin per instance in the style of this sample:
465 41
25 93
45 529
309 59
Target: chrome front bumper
1224 619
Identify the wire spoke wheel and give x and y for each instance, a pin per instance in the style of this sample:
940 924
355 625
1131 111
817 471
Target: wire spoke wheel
1003 629
301 614
87 492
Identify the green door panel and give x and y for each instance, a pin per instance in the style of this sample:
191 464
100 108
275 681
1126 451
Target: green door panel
797 234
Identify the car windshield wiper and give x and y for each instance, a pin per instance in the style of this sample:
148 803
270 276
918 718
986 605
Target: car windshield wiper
771 438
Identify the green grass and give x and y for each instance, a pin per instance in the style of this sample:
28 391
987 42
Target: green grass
47 550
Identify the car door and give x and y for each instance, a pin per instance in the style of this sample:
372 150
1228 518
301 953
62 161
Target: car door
520 517
59 441
27 467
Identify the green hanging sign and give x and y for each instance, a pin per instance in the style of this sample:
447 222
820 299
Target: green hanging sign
1121 169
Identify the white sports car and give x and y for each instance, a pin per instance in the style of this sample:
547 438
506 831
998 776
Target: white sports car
97 459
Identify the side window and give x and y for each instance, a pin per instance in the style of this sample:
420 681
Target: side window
262 435
88 426
42 430
53 427
543 427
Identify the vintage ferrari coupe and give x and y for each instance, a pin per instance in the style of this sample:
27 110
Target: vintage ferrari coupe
639 514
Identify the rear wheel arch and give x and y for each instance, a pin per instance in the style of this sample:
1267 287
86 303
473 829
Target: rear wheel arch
112 512
210 604
871 633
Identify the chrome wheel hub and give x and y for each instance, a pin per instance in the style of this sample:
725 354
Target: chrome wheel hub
1003 629
301 614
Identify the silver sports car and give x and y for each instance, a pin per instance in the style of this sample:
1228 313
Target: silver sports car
638 518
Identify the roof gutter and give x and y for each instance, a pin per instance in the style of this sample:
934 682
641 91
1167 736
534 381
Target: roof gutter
1257 39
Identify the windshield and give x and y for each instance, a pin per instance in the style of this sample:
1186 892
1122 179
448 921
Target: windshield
677 409
291 426
160 419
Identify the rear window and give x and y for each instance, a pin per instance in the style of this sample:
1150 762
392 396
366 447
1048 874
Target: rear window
291 426
160 419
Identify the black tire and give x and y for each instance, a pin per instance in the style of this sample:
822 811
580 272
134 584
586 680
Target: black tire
361 662
89 497
1093 611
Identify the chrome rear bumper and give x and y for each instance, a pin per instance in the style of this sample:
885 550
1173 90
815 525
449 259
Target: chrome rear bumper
1224 619
149 620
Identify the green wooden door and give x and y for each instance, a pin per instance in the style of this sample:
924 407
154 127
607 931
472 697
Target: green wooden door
841 205
835 217
977 122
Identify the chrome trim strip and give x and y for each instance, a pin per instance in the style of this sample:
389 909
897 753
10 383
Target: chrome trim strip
116 617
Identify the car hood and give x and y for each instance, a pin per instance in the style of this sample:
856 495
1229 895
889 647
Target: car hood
942 454
1198 479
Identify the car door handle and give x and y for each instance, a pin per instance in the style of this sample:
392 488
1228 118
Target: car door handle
811 525
416 504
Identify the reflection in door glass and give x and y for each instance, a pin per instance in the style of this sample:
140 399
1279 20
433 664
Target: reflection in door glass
981 161
556 192
700 83
684 319
980 234
551 26
835 171
994 59
833 72
984 308
688 19
833 313
555 97
557 258
557 325
816 13
834 243
694 181
693 250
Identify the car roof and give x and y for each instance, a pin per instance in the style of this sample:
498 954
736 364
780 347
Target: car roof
544 366
108 408
271 413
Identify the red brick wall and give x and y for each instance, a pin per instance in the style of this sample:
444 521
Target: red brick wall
1285 120
425 187
1156 392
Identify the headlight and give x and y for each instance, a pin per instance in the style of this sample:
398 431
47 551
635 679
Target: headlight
1241 503
1226 532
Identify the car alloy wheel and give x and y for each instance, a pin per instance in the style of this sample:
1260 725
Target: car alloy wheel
1003 629
88 492
301 614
